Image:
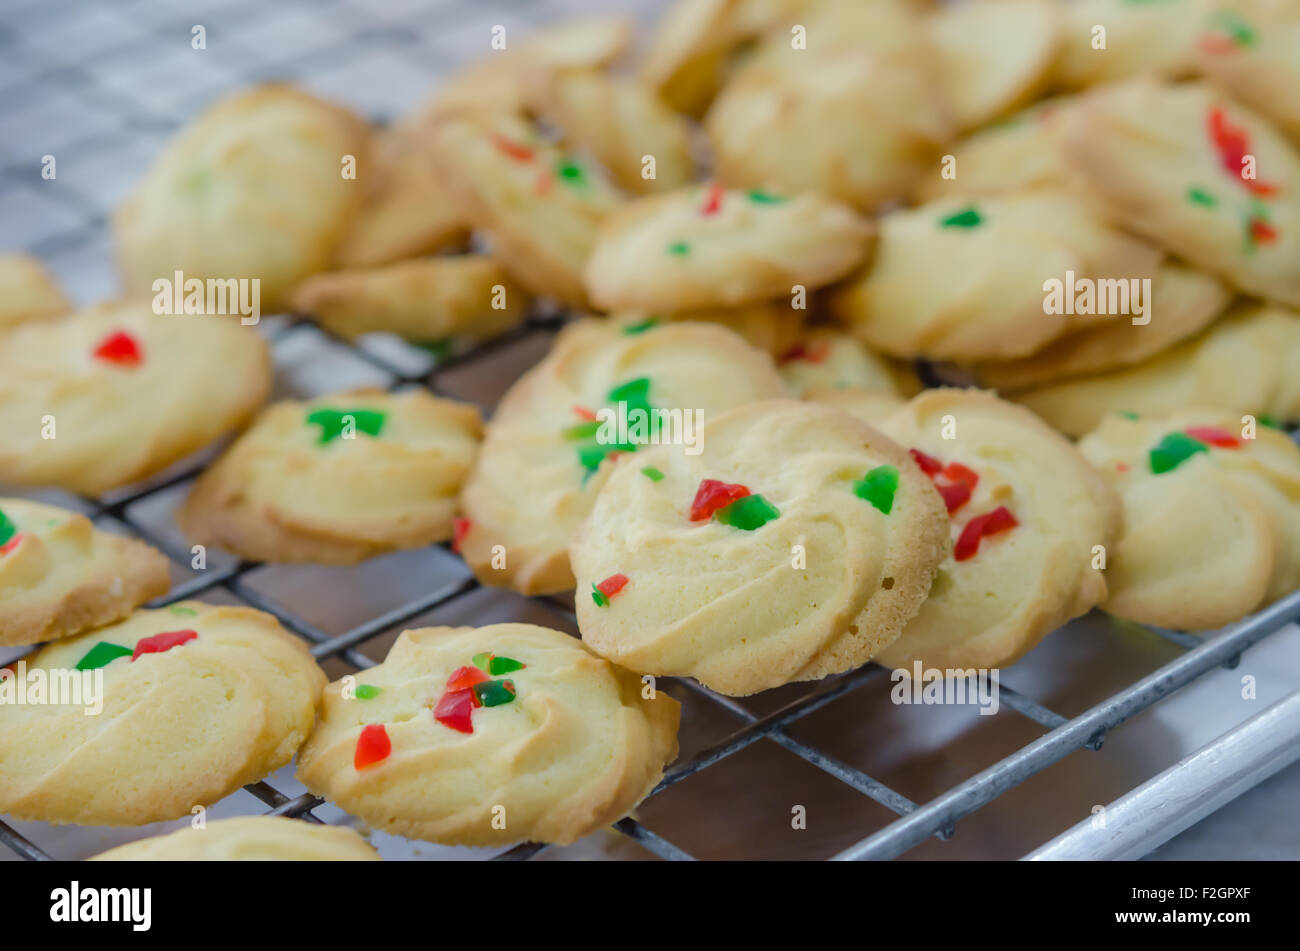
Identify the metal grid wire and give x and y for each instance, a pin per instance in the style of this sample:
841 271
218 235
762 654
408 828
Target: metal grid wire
915 822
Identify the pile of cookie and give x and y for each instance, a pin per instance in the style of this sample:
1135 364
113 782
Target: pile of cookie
787 221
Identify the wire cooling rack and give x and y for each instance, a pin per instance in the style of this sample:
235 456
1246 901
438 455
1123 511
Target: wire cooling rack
55 97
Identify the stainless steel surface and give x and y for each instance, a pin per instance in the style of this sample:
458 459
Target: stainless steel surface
1136 824
103 86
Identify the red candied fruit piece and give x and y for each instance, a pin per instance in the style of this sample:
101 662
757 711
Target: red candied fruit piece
956 472
462 678
990 523
163 642
373 746
119 347
713 495
515 150
460 527
955 495
612 585
712 200
929 465
1214 436
13 543
455 710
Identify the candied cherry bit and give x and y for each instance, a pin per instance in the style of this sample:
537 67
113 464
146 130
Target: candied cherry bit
1214 435
13 543
611 586
373 746
121 348
455 710
956 472
713 495
955 495
460 528
712 200
161 643
929 465
462 678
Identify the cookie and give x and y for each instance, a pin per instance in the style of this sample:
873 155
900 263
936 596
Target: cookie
994 56
1183 302
870 406
27 291
254 189
337 479
706 246
59 575
828 359
1175 164
113 394
1140 39
1211 516
486 736
1251 50
1026 510
1245 363
406 211
858 115
248 839
546 452
693 44
425 300
772 326
500 82
197 700
962 280
621 123
797 544
539 205
1014 155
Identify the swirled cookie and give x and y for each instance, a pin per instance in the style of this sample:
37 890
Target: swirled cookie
1211 516
426 300
27 292
59 575
1183 302
539 205
621 122
407 211
994 56
857 115
114 394
693 43
1026 511
1197 174
1248 362
1014 155
500 82
1108 40
1251 50
337 479
706 246
963 280
797 544
485 736
252 189
546 451
197 700
248 839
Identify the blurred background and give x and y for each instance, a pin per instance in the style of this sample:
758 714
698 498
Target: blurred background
102 85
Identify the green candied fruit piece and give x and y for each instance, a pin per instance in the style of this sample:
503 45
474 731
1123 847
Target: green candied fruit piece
367 691
183 611
653 474
760 197
493 693
878 487
1199 196
331 422
648 324
679 248
1128 415
748 513
582 430
633 391
1172 451
503 665
599 597
482 661
7 528
966 218
103 654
